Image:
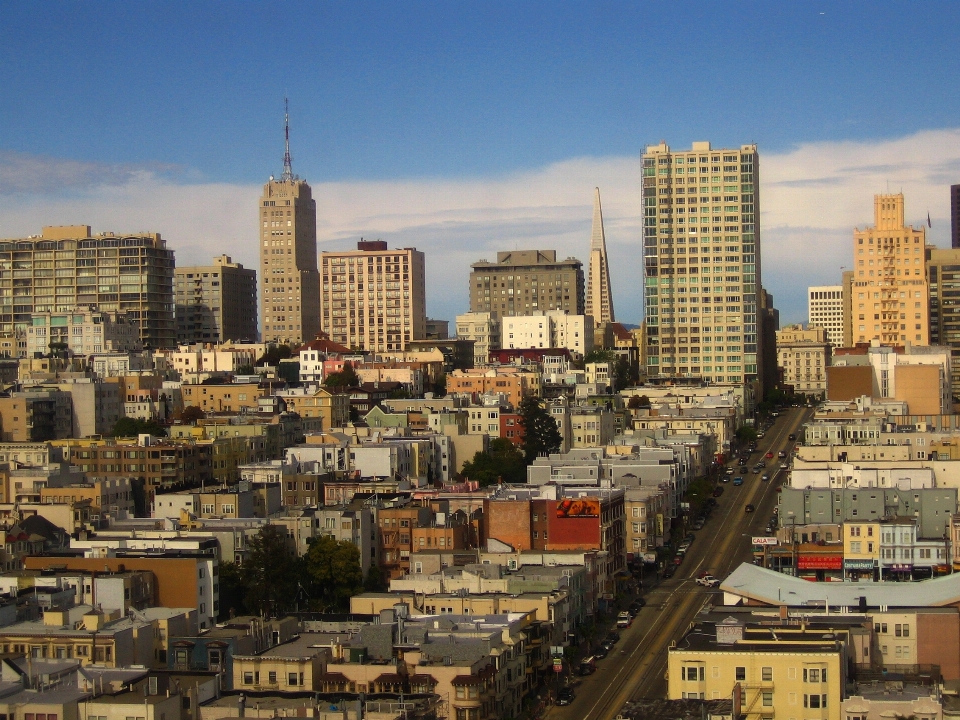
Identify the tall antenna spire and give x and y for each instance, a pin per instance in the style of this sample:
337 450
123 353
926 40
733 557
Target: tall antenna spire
287 160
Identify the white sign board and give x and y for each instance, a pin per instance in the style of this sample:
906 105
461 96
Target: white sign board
764 540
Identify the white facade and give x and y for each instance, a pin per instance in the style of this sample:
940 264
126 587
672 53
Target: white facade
825 309
484 329
553 329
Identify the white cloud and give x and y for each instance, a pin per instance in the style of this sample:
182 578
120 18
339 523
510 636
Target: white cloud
811 198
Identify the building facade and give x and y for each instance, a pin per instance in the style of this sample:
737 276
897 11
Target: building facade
825 309
943 276
82 331
527 282
553 329
484 329
216 302
373 298
290 285
803 357
955 216
891 303
702 262
66 267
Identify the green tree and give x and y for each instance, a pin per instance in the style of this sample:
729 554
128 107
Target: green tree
130 427
346 378
504 462
374 581
333 568
439 387
638 401
271 573
232 590
191 414
274 354
746 434
541 436
622 373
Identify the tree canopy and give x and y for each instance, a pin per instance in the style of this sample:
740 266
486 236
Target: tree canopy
504 462
346 378
274 354
541 434
270 574
623 374
130 427
333 570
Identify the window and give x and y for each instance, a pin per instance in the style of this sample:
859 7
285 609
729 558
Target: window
291 679
768 699
766 674
741 673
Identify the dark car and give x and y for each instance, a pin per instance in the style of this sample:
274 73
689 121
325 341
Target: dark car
600 653
636 605
791 437
699 523
749 508
717 492
668 572
565 696
613 636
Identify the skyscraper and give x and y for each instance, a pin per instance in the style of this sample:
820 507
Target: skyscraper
825 310
955 216
216 302
66 267
599 299
943 276
702 262
290 283
891 303
373 298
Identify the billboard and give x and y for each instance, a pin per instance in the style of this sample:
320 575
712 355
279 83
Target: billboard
578 508
762 540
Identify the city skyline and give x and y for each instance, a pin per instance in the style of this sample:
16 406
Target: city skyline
459 182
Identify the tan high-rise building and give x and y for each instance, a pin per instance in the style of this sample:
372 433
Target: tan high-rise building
702 262
216 302
290 283
527 282
599 298
373 298
66 267
891 296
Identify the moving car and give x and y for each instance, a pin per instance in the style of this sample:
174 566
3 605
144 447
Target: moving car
749 508
769 455
565 696
738 480
708 581
791 437
782 454
765 477
784 466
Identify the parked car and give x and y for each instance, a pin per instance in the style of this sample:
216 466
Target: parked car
588 666
668 572
600 653
729 470
717 492
565 696
637 604
699 523
624 619
749 508
738 480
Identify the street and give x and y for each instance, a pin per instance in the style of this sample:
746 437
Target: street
636 666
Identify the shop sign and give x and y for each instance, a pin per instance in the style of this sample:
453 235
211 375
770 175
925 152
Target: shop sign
649 557
899 567
820 562
858 564
764 540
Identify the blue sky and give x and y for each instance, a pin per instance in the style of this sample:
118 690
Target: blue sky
463 128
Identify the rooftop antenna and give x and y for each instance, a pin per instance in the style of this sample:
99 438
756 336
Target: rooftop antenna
287 175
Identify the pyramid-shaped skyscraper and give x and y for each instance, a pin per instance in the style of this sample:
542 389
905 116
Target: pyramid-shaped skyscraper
599 298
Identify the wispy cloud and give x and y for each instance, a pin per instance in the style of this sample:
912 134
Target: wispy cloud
811 198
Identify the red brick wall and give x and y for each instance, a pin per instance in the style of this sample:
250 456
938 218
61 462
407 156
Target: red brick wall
509 522
938 642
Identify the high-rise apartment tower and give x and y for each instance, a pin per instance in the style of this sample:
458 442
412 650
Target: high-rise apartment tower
527 282
67 267
216 302
890 302
955 216
373 298
599 298
290 283
943 276
702 262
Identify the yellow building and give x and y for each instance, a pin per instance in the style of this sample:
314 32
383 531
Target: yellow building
804 355
861 548
230 397
783 671
890 289
294 666
332 407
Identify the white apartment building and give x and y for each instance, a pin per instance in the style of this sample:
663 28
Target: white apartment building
804 355
484 329
554 329
373 298
702 262
825 309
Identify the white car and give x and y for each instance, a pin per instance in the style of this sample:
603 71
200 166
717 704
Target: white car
708 581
